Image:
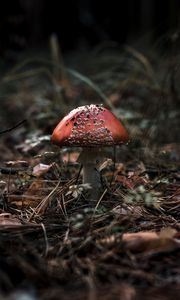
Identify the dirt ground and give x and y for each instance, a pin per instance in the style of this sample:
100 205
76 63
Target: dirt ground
56 242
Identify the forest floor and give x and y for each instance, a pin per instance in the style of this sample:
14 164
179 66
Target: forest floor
55 242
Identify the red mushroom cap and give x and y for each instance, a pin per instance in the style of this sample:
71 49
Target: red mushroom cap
89 126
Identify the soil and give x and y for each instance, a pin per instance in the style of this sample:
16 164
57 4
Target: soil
55 241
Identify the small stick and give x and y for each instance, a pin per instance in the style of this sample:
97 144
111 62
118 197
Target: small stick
11 171
14 127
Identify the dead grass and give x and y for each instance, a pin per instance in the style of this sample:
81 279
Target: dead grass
54 241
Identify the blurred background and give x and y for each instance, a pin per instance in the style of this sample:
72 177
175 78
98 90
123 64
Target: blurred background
86 23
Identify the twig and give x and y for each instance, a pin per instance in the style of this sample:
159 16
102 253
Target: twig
14 127
99 201
45 239
11 171
45 201
79 172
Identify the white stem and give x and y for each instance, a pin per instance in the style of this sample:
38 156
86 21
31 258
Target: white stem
90 159
91 175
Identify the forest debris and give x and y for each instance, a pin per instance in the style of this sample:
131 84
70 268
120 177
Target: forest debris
141 195
14 127
171 150
57 190
35 193
151 242
128 210
167 233
33 143
41 169
136 263
8 219
76 190
105 164
21 294
126 182
32 196
17 163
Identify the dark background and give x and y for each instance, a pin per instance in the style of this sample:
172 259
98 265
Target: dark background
26 24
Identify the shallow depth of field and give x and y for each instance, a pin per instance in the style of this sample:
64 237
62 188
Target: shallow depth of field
55 241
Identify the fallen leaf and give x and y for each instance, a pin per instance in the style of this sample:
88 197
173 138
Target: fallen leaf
125 181
167 233
41 169
139 241
35 193
32 196
128 210
151 242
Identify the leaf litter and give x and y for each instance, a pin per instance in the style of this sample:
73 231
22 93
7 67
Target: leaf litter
55 243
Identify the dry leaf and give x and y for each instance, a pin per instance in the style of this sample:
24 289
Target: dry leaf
35 193
125 181
41 169
139 241
127 210
151 242
32 196
107 163
167 233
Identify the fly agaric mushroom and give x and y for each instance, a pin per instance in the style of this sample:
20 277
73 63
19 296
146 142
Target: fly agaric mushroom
90 127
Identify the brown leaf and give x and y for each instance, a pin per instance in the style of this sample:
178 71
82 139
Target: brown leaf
151 242
125 181
41 169
139 241
167 233
35 193
128 210
32 196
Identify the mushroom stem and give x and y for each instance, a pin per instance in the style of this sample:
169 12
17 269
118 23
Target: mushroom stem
91 158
